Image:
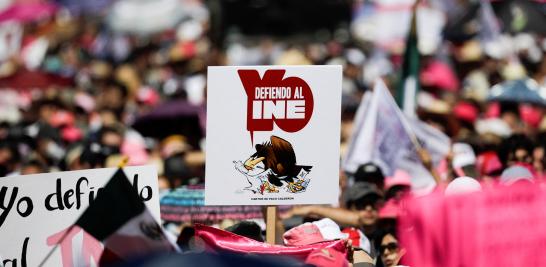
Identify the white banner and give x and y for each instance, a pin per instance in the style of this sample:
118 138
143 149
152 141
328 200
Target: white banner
273 135
36 210
383 136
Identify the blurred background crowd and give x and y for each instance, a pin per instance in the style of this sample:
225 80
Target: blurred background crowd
83 83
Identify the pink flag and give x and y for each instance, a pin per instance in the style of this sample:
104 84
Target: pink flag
217 240
501 226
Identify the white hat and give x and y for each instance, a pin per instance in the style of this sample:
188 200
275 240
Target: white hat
329 229
494 126
463 155
514 174
462 185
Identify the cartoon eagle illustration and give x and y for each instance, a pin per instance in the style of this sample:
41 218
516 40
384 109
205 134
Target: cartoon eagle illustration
276 157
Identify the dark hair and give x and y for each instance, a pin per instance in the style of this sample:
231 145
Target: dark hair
247 229
15 156
176 169
378 239
119 86
36 163
509 145
108 129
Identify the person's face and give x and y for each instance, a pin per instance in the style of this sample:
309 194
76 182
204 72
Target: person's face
538 158
31 169
5 155
390 251
520 155
112 139
368 209
511 119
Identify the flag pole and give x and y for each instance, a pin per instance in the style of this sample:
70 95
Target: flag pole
121 164
271 224
56 245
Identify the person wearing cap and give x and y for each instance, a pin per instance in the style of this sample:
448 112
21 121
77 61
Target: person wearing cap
464 160
365 199
370 173
462 185
398 185
516 174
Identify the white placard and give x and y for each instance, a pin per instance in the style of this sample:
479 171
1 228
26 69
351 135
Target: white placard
36 209
273 135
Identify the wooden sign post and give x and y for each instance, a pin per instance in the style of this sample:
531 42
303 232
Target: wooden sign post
271 224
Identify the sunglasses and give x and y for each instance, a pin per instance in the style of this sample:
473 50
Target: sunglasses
374 202
392 247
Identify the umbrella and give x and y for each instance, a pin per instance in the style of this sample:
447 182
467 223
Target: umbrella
145 16
79 7
27 12
26 79
187 204
514 16
460 27
174 117
521 16
518 91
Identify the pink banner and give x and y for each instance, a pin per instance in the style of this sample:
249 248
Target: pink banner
502 226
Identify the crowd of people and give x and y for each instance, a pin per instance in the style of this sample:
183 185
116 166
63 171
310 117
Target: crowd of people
96 95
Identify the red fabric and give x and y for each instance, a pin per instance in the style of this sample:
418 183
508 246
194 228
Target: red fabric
26 79
488 163
217 239
355 235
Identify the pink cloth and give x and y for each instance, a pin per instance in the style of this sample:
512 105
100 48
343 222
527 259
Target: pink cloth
501 226
217 239
399 177
440 75
530 115
26 12
466 112
327 257
493 110
304 234
71 134
391 209
62 118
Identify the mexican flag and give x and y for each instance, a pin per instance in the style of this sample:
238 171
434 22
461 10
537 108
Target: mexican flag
408 84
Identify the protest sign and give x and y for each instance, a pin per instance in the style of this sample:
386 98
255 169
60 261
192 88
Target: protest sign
10 39
501 226
383 135
273 135
36 211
